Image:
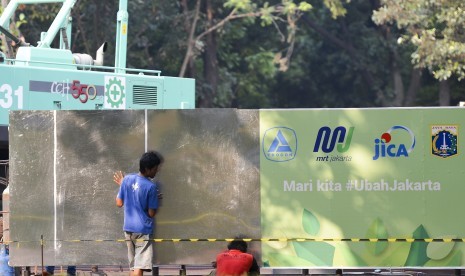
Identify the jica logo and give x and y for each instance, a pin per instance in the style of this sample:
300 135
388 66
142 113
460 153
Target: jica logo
384 147
327 139
279 144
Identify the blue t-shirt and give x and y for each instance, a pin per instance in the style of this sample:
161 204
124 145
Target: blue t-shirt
139 195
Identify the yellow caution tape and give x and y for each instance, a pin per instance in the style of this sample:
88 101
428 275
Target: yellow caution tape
390 240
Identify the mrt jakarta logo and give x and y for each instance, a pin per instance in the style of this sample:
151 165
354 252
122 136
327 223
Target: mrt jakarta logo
279 144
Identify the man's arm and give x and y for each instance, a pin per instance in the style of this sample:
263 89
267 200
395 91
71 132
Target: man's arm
118 179
254 269
153 201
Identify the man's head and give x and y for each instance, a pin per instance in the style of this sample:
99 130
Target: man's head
150 163
238 245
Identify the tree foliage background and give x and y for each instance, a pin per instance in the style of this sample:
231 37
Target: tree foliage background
282 53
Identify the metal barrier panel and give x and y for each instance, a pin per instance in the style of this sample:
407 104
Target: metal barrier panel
374 187
61 184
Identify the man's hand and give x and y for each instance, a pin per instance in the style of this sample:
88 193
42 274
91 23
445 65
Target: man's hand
159 194
118 177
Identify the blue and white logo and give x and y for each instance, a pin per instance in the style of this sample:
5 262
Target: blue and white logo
279 144
399 147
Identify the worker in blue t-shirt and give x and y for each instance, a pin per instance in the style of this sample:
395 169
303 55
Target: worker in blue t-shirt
139 196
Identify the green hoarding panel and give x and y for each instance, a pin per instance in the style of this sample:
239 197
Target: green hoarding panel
390 175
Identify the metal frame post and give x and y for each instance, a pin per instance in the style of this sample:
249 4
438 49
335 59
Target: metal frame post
183 270
65 42
60 21
121 37
13 5
155 271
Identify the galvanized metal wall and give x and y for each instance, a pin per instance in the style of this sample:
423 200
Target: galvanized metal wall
61 185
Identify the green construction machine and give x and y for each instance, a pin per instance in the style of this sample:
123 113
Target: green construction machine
45 78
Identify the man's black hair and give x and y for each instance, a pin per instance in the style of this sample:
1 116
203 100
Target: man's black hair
149 160
238 245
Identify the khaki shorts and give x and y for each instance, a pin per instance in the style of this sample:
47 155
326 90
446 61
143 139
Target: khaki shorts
140 250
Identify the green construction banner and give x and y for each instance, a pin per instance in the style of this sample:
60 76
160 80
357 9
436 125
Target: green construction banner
362 187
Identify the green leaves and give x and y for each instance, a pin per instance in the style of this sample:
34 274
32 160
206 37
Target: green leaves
434 28
242 5
336 8
318 253
417 254
439 250
304 6
310 223
22 20
421 251
377 230
267 14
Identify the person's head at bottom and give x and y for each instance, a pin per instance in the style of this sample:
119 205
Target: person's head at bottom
238 245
